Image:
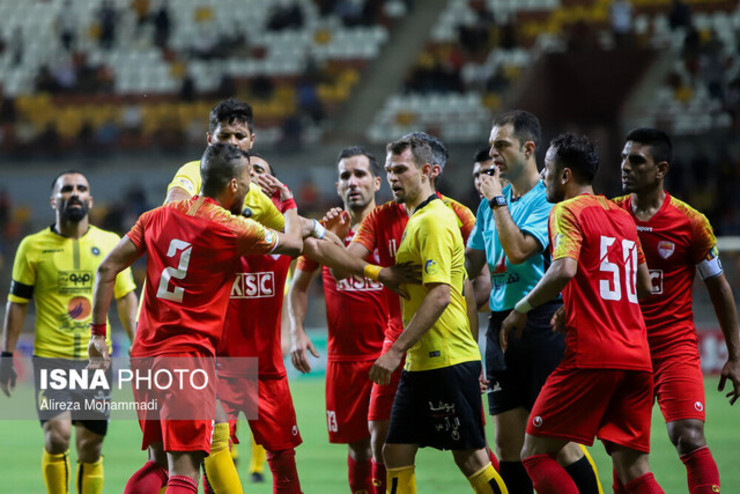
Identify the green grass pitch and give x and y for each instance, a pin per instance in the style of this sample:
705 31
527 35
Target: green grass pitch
323 467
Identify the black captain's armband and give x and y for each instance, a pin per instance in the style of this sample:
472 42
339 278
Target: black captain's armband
20 290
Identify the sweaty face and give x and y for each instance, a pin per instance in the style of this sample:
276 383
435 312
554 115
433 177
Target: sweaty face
403 176
236 133
506 151
551 177
639 170
356 184
478 168
71 197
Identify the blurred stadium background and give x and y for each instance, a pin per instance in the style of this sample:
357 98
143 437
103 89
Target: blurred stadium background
122 89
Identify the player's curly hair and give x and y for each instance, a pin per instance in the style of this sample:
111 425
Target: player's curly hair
231 111
577 153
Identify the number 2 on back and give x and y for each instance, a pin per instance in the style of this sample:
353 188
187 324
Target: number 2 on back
177 273
612 289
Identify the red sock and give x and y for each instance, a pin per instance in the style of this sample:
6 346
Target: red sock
702 472
644 484
492 457
378 476
149 478
548 477
284 474
617 486
359 475
181 484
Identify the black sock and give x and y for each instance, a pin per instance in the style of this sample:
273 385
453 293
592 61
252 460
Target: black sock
515 477
584 476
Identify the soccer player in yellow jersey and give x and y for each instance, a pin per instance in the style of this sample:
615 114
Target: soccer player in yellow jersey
56 267
438 401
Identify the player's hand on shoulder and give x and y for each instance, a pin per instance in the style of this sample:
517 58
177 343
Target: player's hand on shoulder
731 371
7 373
97 351
298 355
514 321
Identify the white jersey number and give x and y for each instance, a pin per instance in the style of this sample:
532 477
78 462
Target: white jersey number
612 289
178 273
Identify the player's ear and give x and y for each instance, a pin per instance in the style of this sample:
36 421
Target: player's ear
566 175
663 168
529 147
378 182
209 138
436 171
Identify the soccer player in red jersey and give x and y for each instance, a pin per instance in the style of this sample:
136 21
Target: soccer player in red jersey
193 248
252 329
603 386
356 312
678 241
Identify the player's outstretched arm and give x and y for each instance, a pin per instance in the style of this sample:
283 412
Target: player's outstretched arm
122 256
290 243
297 307
720 294
15 315
433 305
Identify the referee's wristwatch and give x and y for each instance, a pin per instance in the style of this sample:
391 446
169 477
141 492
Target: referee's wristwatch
497 201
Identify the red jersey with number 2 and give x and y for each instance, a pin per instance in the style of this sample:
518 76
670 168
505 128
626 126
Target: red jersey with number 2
604 325
383 228
193 249
675 239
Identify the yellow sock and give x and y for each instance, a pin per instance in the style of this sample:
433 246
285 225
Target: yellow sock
401 480
55 469
593 466
487 481
259 455
90 477
219 466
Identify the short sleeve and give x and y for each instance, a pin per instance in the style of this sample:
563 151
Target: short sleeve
475 240
24 273
466 219
535 223
187 178
565 233
136 234
435 250
366 232
263 209
703 241
253 237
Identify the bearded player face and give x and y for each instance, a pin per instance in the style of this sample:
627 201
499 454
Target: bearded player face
71 197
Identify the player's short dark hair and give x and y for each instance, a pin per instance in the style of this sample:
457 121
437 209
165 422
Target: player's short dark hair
483 154
659 142
350 151
420 150
231 111
526 126
439 151
220 163
71 171
577 153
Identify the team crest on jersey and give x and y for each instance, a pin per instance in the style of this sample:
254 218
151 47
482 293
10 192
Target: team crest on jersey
95 251
556 241
430 267
666 248
269 237
79 308
186 184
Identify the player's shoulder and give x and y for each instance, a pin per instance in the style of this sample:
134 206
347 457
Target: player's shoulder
98 233
621 201
677 207
34 241
459 208
387 209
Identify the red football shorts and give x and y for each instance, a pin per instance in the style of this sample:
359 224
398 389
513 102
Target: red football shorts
275 428
614 405
192 434
348 389
381 397
679 387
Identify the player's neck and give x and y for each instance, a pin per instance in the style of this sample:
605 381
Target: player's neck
525 182
357 215
577 190
413 202
71 229
646 204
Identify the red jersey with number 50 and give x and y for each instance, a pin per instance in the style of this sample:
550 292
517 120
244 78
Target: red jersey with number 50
192 248
604 325
382 230
356 312
675 239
